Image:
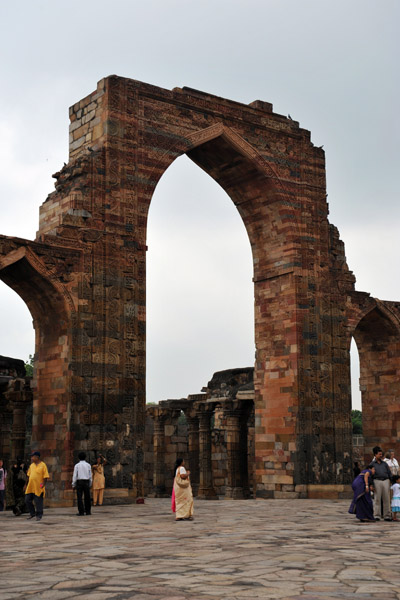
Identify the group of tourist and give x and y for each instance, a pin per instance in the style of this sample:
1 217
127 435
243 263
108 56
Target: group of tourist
377 489
25 488
86 477
371 487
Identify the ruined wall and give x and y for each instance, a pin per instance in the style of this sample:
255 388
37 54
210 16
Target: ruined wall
10 369
219 456
84 281
175 445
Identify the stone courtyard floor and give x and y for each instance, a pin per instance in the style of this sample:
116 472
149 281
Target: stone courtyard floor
288 549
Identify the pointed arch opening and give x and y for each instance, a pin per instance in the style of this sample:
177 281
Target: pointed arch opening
16 348
17 332
355 376
377 337
24 272
200 298
270 215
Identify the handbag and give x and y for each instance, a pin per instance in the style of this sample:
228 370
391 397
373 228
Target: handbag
183 483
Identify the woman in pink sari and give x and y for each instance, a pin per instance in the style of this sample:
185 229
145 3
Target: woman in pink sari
182 496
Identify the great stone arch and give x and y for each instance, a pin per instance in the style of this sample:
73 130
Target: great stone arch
375 326
84 278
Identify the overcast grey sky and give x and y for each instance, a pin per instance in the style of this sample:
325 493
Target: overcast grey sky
332 65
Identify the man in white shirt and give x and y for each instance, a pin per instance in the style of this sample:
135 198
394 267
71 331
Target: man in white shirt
82 481
392 462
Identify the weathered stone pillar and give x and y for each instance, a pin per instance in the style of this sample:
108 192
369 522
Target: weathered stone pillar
193 448
5 429
247 409
159 416
18 396
234 447
206 489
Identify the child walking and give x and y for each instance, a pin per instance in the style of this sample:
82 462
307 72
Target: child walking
396 497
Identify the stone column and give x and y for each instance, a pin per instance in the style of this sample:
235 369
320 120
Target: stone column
206 490
159 416
18 396
234 448
246 411
5 426
193 448
251 459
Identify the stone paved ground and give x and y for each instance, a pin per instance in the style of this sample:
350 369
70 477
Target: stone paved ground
288 549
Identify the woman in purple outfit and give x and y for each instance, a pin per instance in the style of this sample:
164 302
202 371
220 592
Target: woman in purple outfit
362 504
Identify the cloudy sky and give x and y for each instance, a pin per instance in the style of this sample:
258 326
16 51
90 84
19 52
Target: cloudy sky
332 65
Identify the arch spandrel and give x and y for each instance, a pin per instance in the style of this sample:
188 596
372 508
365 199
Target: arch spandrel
27 275
262 200
361 311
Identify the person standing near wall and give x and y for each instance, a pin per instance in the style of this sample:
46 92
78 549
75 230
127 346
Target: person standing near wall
99 481
82 481
35 489
381 485
3 475
15 487
392 463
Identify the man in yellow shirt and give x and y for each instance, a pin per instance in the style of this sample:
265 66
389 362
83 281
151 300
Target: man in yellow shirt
35 487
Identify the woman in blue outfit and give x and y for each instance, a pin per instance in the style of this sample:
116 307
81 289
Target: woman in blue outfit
362 504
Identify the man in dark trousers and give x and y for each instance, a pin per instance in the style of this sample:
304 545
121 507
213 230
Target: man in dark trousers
381 482
82 481
35 487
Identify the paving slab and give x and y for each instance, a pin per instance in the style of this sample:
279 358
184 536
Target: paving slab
233 550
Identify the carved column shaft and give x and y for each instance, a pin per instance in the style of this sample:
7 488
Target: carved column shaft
5 435
244 450
234 488
18 397
159 417
237 414
206 489
18 431
159 452
193 451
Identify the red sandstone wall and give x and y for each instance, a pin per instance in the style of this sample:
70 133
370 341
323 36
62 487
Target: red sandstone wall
84 282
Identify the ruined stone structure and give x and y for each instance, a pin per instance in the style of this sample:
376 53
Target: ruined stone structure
219 444
15 408
83 280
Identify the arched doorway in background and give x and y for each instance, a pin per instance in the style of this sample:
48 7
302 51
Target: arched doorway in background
377 338
200 298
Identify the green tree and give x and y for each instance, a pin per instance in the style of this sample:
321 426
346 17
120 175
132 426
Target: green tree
29 366
356 419
182 419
